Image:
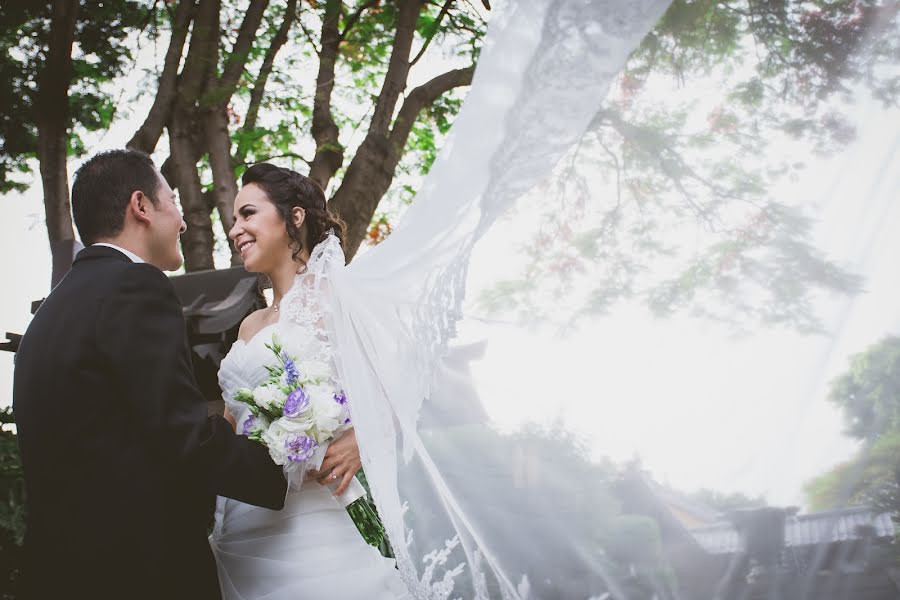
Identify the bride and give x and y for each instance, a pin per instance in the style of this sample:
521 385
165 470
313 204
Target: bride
310 549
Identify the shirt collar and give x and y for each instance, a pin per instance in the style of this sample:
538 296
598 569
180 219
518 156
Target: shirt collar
134 257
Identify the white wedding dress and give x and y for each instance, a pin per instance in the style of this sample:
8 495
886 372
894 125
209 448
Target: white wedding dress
311 549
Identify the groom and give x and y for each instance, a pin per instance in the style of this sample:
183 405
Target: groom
121 462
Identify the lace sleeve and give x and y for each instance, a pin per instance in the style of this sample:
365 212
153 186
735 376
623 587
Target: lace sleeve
305 306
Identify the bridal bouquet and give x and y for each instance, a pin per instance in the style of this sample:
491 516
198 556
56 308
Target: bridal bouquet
295 413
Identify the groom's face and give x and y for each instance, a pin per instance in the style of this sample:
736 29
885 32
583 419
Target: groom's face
166 229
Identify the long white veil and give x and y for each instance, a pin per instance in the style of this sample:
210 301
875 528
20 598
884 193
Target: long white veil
648 334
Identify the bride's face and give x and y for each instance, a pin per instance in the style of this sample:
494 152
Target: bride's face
259 231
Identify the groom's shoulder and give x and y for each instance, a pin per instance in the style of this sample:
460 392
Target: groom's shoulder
145 279
122 276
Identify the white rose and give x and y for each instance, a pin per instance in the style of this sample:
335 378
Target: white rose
269 396
326 412
314 370
320 394
277 433
276 448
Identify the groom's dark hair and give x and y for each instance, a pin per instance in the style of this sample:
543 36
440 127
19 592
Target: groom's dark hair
104 185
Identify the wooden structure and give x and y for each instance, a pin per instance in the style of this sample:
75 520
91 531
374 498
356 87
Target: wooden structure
770 553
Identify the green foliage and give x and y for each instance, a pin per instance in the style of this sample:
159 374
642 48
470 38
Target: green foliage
101 53
869 394
12 507
870 478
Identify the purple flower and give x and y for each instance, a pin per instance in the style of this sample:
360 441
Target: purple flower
297 401
340 398
291 374
300 447
248 425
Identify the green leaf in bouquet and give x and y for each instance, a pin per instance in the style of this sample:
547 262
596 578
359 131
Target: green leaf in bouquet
275 346
244 395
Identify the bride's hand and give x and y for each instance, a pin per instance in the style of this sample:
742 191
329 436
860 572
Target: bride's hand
341 462
230 418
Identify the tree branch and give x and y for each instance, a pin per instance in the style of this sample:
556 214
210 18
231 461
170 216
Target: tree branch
148 134
350 22
259 86
274 156
437 25
309 36
398 67
423 96
234 64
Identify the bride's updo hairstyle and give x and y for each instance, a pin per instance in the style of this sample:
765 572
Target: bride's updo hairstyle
287 190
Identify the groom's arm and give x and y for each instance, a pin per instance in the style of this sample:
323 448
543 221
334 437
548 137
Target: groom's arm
142 332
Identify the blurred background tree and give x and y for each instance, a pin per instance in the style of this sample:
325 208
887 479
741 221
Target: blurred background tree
722 105
869 395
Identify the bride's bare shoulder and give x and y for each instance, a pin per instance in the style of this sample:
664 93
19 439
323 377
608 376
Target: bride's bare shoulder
251 324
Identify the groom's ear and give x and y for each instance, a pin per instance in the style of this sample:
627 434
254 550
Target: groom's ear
138 206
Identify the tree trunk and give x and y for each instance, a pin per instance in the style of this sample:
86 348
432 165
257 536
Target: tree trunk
329 152
371 171
198 241
367 179
186 140
51 152
398 67
214 107
147 136
224 184
52 109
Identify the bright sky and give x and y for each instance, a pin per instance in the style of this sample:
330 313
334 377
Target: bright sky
701 409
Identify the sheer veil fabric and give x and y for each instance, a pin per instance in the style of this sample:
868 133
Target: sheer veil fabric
478 503
392 314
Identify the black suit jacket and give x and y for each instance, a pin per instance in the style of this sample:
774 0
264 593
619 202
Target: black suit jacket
121 461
